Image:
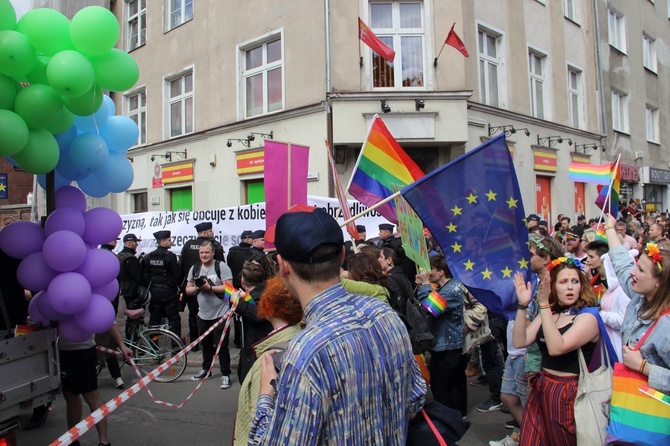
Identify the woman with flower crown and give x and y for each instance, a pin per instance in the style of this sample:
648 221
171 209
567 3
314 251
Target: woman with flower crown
647 283
560 331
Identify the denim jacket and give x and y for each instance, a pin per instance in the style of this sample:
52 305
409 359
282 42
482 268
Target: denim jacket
656 348
447 328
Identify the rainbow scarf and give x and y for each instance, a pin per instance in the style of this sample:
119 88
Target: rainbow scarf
434 303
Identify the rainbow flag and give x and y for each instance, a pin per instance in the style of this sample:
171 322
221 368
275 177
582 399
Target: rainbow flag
590 173
600 233
230 290
615 177
434 303
381 164
660 396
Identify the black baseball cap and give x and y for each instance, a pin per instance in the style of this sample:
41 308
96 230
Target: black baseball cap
581 217
533 217
577 231
301 230
131 238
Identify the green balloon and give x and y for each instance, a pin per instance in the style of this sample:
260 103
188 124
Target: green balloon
40 155
13 133
86 104
7 15
39 105
115 70
94 30
17 55
39 74
65 121
7 93
47 29
70 73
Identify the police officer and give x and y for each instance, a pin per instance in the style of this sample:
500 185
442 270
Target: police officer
257 243
130 276
189 257
161 271
387 237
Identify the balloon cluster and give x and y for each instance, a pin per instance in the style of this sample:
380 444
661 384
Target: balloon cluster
75 281
53 114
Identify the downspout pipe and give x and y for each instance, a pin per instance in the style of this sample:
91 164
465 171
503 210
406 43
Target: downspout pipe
599 63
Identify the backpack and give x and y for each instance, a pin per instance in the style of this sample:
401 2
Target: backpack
417 320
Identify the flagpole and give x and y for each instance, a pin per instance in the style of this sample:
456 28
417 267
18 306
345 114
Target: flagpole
370 209
438 54
609 190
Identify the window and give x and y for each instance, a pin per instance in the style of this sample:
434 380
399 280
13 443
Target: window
139 202
652 125
536 64
649 53
570 9
179 12
137 111
489 63
264 77
617 30
180 105
575 97
137 23
400 26
619 112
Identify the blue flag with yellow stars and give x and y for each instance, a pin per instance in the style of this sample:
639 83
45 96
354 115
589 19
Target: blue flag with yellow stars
473 208
3 185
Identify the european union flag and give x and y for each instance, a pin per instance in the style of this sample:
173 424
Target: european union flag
473 208
3 186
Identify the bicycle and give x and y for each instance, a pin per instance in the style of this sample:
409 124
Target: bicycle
151 346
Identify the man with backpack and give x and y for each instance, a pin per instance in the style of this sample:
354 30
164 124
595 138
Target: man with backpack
206 279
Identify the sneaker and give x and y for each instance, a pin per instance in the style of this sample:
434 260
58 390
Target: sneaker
202 374
480 381
507 441
118 383
225 382
489 406
511 424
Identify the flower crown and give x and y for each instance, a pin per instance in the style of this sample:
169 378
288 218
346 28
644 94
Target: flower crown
568 260
654 253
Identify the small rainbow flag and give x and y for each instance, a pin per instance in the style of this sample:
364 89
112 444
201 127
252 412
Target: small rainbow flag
600 233
590 173
662 397
434 303
613 206
230 290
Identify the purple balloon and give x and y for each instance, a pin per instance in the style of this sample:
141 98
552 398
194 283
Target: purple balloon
72 197
64 251
70 330
69 293
34 312
65 219
102 225
109 291
19 239
98 316
99 267
33 272
47 311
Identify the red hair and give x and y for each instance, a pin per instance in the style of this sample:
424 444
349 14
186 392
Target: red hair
278 302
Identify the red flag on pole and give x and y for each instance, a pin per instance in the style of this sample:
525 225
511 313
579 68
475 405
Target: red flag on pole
456 42
342 197
369 38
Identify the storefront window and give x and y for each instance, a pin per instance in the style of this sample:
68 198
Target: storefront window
653 194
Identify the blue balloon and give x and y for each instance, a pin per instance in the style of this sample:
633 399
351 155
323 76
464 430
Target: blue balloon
64 139
61 181
117 173
93 123
111 107
66 169
91 187
88 152
121 133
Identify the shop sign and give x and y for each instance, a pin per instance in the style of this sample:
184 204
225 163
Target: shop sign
177 173
545 161
661 176
250 162
630 173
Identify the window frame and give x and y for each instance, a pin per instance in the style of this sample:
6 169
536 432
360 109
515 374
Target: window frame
652 124
499 61
133 201
264 68
575 11
649 58
538 79
616 39
141 17
397 34
140 112
620 110
169 25
578 93
168 101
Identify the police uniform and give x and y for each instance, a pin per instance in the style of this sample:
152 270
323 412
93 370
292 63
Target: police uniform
161 270
190 255
254 250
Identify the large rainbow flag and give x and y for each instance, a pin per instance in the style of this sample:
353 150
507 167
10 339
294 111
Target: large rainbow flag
590 173
611 206
381 164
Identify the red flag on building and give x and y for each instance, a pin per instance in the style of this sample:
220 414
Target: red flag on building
369 38
456 42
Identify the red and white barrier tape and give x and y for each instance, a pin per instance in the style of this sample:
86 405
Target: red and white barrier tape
110 406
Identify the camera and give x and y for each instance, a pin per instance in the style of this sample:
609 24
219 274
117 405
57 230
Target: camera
200 281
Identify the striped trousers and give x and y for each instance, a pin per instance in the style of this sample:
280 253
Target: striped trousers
549 416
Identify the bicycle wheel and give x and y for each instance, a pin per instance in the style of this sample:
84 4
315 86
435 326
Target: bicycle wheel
156 346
